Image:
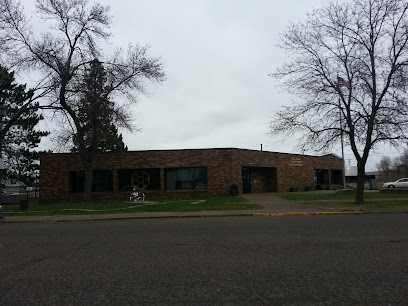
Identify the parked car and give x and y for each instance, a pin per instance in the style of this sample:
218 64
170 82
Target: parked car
401 183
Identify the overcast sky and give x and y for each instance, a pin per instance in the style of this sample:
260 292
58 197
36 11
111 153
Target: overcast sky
217 55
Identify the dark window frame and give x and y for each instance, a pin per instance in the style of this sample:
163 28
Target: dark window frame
140 178
102 181
187 178
336 177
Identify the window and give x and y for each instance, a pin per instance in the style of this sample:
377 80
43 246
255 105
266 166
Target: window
186 178
102 181
141 179
76 181
336 177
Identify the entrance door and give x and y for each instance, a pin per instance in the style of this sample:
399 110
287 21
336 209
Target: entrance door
246 179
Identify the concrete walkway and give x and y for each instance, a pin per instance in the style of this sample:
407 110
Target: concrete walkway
273 206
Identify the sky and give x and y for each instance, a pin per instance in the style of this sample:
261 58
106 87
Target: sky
217 55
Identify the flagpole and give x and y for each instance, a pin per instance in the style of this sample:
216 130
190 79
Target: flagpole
342 147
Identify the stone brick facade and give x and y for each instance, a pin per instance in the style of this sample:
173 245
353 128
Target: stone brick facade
268 172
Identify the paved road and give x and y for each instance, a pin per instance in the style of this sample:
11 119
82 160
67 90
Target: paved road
292 260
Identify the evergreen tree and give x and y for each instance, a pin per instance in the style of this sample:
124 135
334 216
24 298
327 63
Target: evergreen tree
20 137
96 116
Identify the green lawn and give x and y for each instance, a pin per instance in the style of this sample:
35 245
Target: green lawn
177 205
374 201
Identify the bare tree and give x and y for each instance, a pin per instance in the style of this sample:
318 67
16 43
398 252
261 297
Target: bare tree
393 169
60 55
400 165
385 167
348 65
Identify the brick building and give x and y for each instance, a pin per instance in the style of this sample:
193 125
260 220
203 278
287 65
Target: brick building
187 173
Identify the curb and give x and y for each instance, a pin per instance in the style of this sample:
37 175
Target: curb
327 213
46 219
169 216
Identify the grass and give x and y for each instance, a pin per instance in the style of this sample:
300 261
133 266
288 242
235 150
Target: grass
374 201
176 205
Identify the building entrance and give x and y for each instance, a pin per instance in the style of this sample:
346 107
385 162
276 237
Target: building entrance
246 179
259 179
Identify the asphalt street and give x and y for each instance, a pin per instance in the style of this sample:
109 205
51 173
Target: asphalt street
288 260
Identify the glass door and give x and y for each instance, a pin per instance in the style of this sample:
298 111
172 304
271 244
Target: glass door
246 179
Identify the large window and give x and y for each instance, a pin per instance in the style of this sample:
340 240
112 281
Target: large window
102 181
186 178
141 179
76 181
336 177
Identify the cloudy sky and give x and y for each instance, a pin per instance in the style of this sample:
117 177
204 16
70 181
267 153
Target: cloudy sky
217 55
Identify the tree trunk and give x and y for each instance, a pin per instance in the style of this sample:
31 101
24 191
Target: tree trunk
88 184
360 182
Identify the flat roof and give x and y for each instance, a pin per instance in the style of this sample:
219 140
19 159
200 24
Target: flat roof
203 149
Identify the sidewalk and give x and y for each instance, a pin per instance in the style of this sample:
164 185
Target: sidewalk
273 206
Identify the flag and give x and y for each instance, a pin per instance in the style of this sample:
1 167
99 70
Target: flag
342 82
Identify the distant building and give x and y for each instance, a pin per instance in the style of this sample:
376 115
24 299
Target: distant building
12 187
372 175
351 174
187 173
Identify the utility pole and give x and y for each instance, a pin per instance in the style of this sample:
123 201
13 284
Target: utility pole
3 112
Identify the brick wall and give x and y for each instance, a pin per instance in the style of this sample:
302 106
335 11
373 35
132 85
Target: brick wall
288 170
270 171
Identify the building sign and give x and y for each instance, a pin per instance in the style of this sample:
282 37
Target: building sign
296 161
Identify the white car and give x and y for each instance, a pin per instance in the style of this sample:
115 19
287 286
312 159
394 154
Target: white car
401 183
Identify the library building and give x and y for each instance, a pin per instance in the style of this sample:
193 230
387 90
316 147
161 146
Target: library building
188 173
